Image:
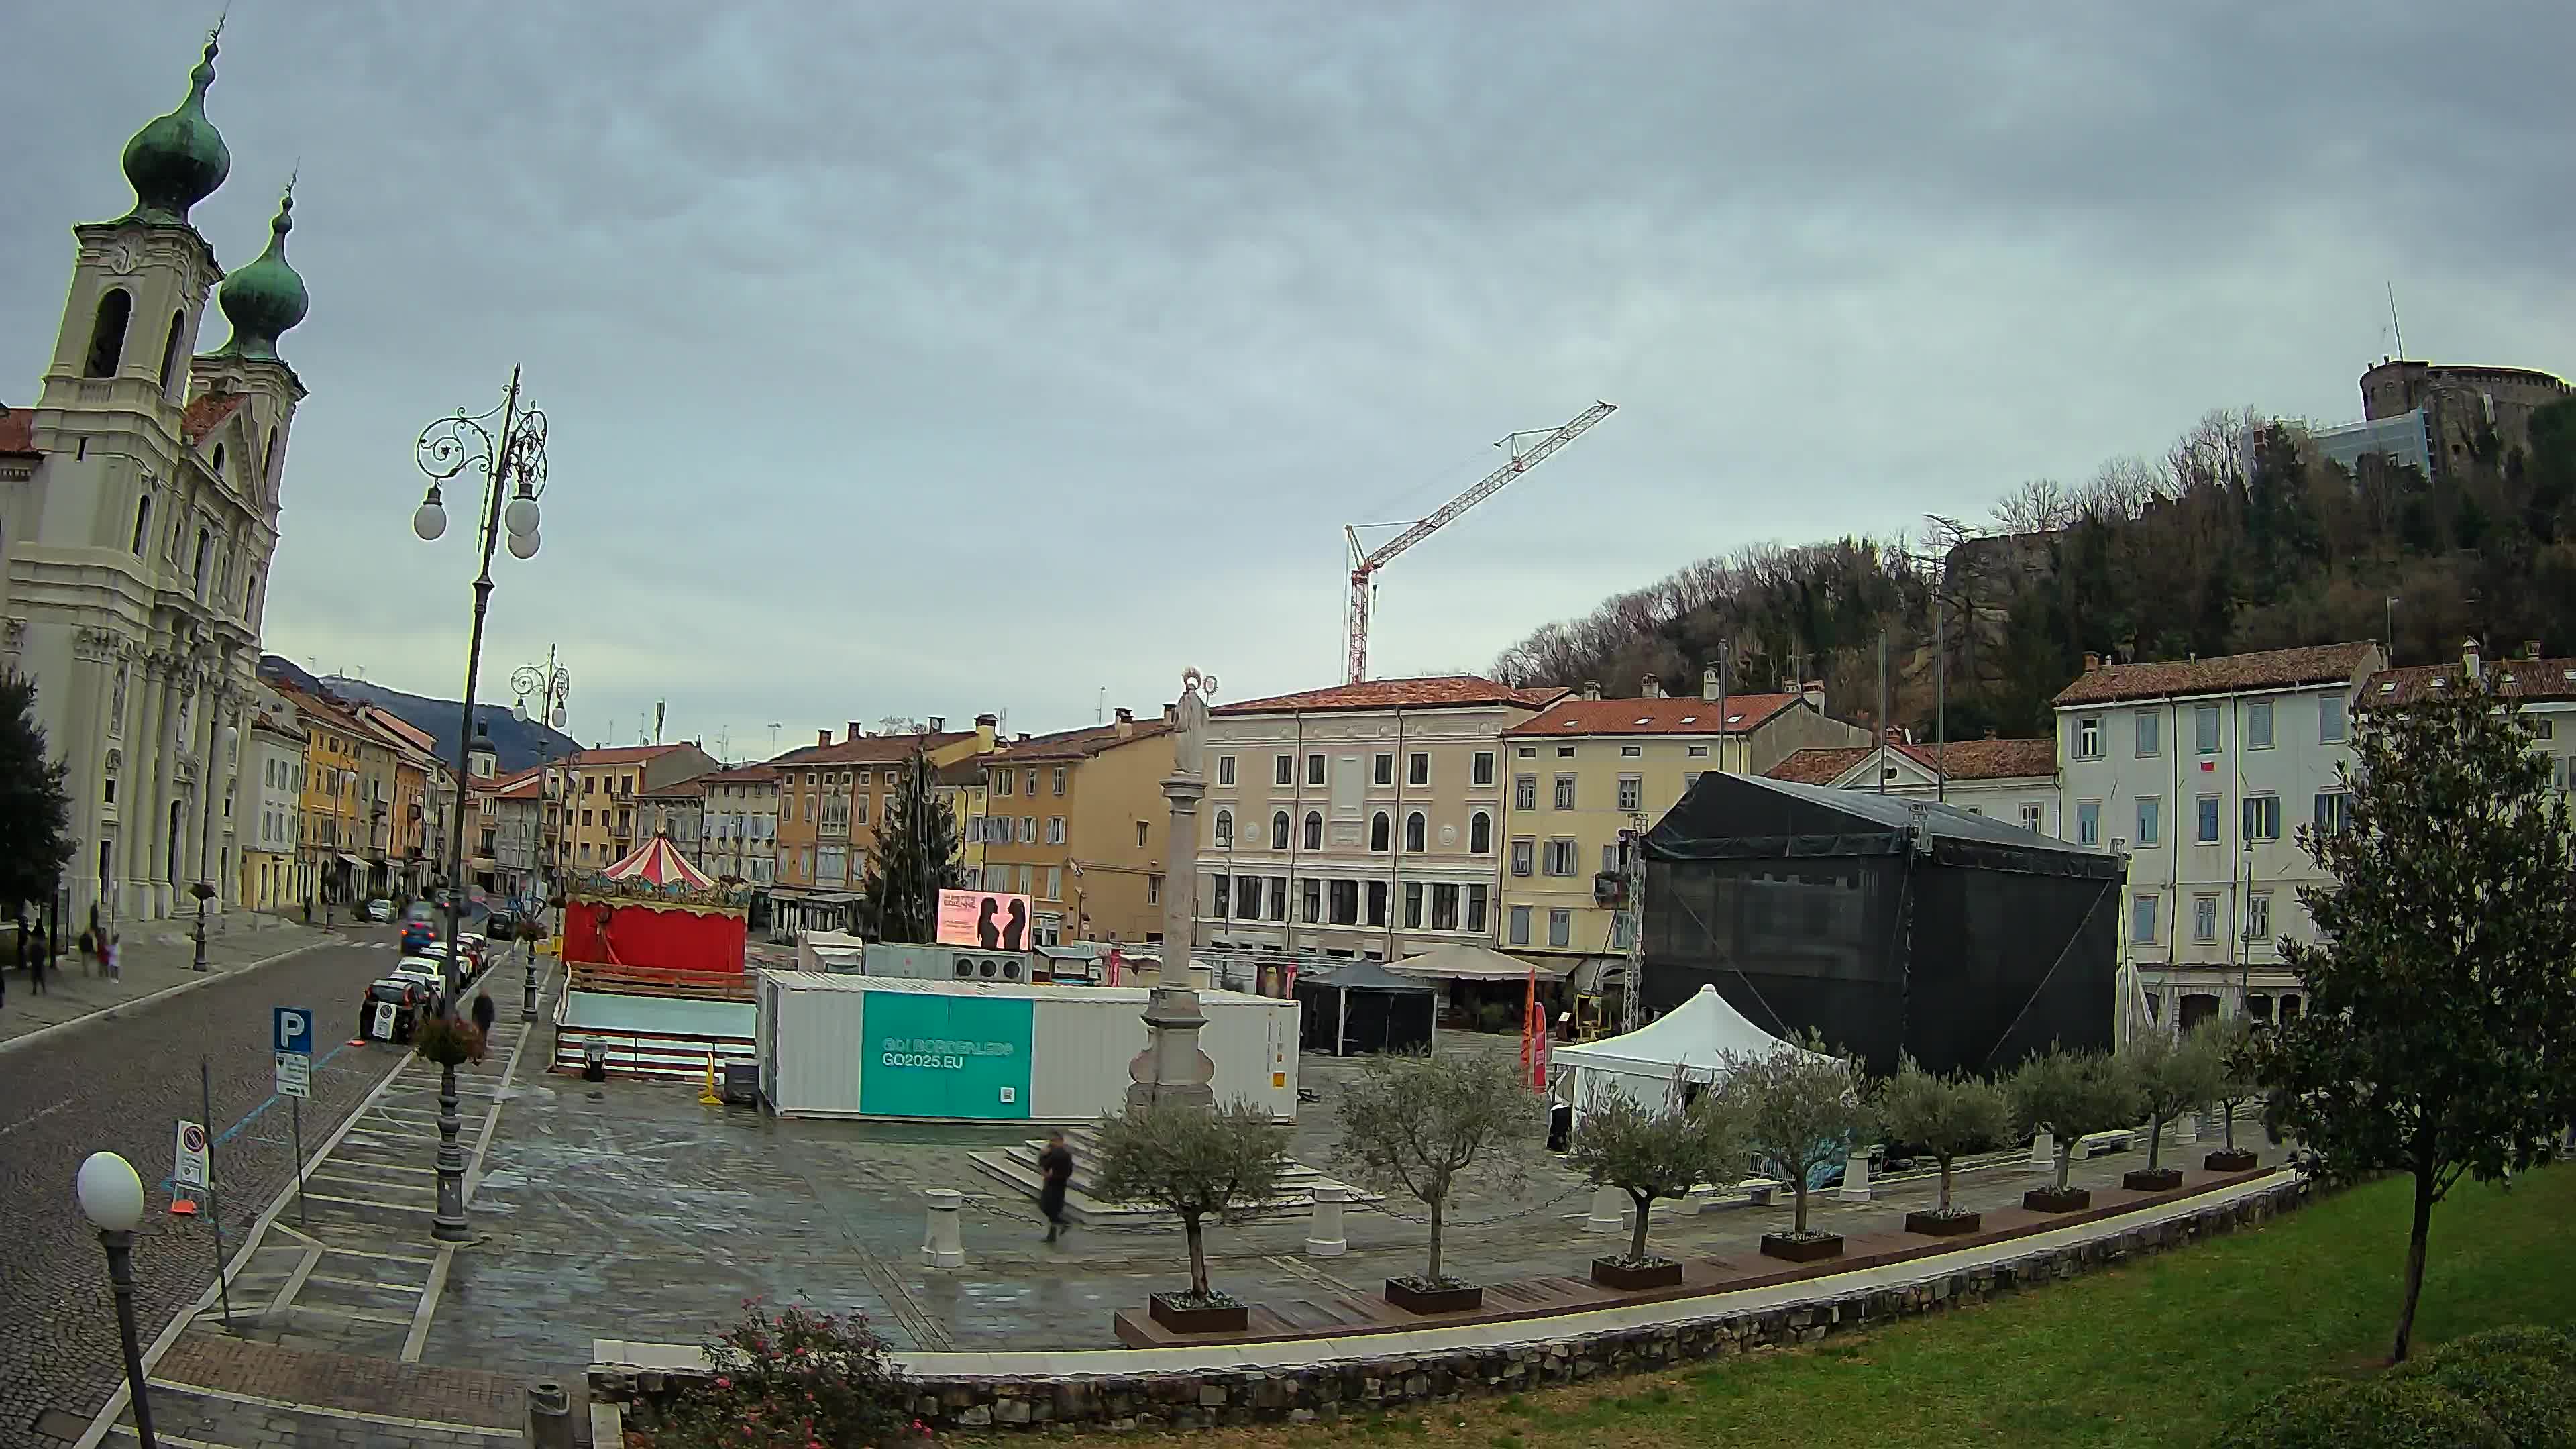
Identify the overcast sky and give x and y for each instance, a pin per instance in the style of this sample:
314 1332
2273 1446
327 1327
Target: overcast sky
925 360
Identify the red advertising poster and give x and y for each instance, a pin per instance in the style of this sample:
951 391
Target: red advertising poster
985 919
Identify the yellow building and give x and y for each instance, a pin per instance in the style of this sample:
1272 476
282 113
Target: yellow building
334 826
1585 769
963 788
831 800
600 787
1077 822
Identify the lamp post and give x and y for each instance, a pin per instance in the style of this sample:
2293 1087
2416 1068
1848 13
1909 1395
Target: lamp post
512 461
111 1197
204 889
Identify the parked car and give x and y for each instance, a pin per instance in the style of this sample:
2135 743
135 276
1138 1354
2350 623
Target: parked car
407 998
502 925
380 910
427 969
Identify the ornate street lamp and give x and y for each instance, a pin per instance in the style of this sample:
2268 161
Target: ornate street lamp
111 1197
204 889
511 455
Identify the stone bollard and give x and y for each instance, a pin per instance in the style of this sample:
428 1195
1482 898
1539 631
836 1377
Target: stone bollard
2186 1129
549 1415
1855 1186
2043 1153
941 1247
1324 1230
1609 1211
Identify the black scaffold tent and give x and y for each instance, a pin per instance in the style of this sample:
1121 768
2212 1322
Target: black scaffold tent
1363 1007
1881 923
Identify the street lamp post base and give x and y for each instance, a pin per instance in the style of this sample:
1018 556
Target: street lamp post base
450 1226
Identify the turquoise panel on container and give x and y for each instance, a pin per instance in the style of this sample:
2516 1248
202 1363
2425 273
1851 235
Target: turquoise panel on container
935 1055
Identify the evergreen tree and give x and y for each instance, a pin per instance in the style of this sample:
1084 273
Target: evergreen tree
35 810
914 859
2439 1039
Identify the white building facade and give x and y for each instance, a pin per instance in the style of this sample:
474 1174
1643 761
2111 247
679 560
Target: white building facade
270 826
741 825
138 520
1361 821
2201 772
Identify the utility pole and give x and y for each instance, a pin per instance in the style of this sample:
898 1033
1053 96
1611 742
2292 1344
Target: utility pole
1882 711
1940 707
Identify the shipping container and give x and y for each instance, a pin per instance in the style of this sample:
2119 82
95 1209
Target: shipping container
870 1046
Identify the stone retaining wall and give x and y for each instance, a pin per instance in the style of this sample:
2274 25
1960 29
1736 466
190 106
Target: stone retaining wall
1327 1390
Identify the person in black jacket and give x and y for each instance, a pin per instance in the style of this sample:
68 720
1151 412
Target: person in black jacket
483 1023
1057 1163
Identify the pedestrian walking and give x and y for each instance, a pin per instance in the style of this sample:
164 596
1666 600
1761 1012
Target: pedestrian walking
43 958
482 1024
111 956
1057 1163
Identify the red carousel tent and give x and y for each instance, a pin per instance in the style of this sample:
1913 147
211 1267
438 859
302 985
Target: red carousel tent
655 911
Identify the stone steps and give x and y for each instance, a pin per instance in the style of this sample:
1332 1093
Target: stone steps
1016 1168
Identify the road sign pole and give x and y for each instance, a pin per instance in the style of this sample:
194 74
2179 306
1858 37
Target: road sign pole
214 1198
295 1105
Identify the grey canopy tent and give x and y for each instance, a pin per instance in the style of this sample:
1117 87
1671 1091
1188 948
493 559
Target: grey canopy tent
1363 1007
1884 924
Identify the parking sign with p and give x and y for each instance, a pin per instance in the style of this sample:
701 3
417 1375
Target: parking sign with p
294 1030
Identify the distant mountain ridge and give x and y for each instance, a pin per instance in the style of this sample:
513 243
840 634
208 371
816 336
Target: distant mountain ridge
516 744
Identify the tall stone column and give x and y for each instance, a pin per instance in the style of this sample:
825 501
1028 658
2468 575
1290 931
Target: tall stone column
138 796
1172 1070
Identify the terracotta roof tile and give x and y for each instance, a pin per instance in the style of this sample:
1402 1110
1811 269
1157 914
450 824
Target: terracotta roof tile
692 788
1693 716
2271 669
18 432
1431 692
1079 744
747 775
620 755
1962 759
208 413
2533 679
871 749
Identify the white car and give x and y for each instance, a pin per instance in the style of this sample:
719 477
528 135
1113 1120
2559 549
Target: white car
380 910
421 968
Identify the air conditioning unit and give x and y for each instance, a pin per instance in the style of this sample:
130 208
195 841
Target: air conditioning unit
944 963
2119 845
1609 888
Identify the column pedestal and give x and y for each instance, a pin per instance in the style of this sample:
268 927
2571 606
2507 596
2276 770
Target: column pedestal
1855 1186
941 1244
2043 1153
1609 1211
1324 1230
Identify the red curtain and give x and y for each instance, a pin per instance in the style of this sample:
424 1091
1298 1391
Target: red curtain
640 936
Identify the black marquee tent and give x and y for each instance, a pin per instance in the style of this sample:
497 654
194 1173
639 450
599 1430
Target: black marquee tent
1882 923
1363 1007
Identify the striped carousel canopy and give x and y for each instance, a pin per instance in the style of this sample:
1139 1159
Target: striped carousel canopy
656 863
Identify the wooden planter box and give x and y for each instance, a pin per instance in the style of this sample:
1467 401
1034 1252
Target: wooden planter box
1614 1273
2050 1200
1460 1299
1801 1250
1232 1318
2159 1179
2224 1160
1936 1225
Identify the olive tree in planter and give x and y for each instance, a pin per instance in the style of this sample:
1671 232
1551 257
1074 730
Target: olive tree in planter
2171 1077
1649 1154
1802 1109
1425 1126
1948 1117
2238 1051
1195 1164
2070 1094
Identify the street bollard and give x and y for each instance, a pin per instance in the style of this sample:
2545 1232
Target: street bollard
549 1415
2043 1153
941 1246
1609 1211
1855 1186
2186 1129
1324 1230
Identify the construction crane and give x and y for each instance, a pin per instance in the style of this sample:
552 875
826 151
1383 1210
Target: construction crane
1366 562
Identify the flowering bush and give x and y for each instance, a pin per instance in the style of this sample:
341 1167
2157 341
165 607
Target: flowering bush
794 1379
446 1040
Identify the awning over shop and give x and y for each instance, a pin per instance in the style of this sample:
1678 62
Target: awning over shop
1467 961
354 862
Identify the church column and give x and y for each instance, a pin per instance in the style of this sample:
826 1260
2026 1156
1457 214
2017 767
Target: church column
167 745
137 795
85 744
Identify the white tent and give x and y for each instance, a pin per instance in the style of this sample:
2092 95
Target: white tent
1467 961
1688 1042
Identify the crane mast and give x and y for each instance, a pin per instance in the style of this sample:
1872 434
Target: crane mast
1366 562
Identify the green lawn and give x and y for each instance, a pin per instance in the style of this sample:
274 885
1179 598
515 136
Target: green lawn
2158 1353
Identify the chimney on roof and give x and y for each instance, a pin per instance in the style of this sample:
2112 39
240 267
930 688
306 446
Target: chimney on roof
1813 691
987 726
1126 723
1650 688
822 737
1592 689
856 732
2092 662
1023 739
2469 657
1708 688
2530 648
1990 732
939 724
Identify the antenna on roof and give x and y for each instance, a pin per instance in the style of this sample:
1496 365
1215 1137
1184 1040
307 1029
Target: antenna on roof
2398 332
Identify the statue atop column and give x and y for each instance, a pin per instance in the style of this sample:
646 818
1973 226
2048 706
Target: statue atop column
1171 1068
1189 723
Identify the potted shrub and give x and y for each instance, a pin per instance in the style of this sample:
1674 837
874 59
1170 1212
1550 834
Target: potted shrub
2070 1094
1649 1155
2171 1077
1423 1126
2239 1081
1947 1117
446 1040
1194 1164
1802 1108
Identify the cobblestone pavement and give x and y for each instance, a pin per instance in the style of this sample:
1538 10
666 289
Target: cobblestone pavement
122 1083
335 1295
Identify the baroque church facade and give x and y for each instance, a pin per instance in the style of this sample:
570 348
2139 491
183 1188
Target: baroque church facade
138 516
